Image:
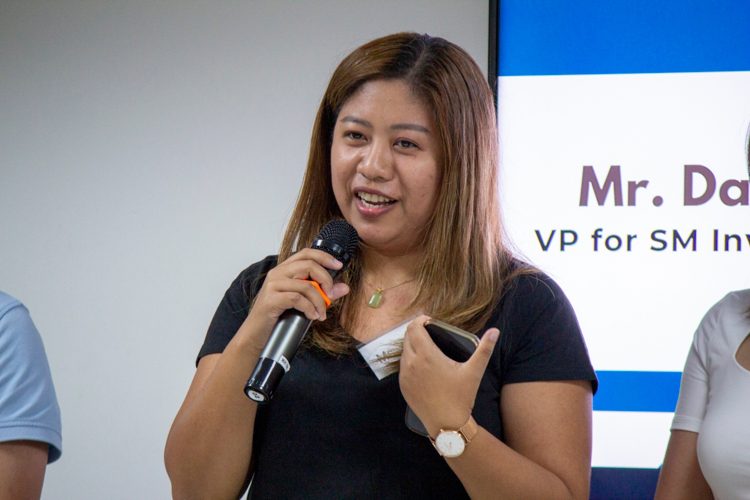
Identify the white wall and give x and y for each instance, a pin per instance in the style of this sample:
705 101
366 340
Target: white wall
149 151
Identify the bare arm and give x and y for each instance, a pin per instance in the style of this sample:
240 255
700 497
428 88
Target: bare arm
209 447
547 453
681 477
22 467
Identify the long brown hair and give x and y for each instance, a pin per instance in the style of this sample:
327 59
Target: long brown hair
465 264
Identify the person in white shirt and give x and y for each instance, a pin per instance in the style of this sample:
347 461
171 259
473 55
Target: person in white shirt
708 456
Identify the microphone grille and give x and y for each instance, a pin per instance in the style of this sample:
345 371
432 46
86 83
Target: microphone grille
342 234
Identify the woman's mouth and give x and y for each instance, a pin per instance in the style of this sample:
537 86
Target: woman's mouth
370 200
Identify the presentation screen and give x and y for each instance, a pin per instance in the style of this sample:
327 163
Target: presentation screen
623 135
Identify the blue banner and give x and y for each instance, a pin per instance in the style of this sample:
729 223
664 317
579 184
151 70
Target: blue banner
549 37
637 391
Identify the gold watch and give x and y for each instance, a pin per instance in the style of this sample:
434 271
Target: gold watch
452 443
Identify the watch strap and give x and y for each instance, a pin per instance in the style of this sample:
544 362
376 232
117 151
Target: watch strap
469 429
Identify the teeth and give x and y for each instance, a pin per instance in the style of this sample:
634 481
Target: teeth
371 200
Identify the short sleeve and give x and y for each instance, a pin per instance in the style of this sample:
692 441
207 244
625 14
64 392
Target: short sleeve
235 306
693 399
541 339
28 403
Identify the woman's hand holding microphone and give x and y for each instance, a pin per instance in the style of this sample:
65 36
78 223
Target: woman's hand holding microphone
288 286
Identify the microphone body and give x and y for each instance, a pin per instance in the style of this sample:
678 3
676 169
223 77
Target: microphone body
338 239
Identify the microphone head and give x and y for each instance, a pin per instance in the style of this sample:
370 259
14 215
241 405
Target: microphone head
339 239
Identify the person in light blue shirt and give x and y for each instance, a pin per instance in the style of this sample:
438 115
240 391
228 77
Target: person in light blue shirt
30 427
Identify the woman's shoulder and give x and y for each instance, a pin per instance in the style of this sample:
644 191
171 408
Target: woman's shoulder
247 284
737 301
530 288
730 316
532 301
259 268
251 278
235 306
540 335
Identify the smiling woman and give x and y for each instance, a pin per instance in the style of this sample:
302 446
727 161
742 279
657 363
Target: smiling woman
386 166
404 148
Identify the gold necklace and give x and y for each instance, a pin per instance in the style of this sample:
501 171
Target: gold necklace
377 297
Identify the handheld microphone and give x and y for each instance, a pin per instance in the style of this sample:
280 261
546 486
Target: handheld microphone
339 239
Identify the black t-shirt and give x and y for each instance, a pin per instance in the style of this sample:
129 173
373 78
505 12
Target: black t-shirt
333 430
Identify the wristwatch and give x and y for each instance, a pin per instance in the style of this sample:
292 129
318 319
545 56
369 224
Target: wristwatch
451 443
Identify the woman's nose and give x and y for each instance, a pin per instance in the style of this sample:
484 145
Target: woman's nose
377 161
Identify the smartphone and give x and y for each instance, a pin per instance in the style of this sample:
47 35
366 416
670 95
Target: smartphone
455 343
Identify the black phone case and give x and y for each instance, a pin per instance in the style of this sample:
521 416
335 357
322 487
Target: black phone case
457 345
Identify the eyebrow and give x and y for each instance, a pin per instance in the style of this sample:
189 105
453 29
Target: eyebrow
395 126
410 126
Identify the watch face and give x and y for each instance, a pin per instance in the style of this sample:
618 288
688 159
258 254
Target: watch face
450 443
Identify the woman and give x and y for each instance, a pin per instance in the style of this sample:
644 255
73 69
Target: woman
404 148
708 455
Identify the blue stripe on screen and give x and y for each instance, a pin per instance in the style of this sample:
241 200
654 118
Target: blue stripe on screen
623 484
574 37
637 391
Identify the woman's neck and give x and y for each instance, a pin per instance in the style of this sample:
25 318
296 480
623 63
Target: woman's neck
393 277
386 270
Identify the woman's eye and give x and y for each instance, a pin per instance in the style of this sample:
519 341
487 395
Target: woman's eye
403 143
354 135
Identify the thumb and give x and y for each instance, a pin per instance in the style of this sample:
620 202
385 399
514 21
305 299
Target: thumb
482 355
338 290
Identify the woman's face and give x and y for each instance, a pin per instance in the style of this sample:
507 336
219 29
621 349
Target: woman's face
386 166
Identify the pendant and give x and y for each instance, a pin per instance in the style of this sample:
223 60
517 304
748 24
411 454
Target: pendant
376 298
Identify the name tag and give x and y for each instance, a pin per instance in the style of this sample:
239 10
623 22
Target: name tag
377 349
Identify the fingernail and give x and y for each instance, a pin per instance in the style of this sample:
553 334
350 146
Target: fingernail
494 334
337 264
317 316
